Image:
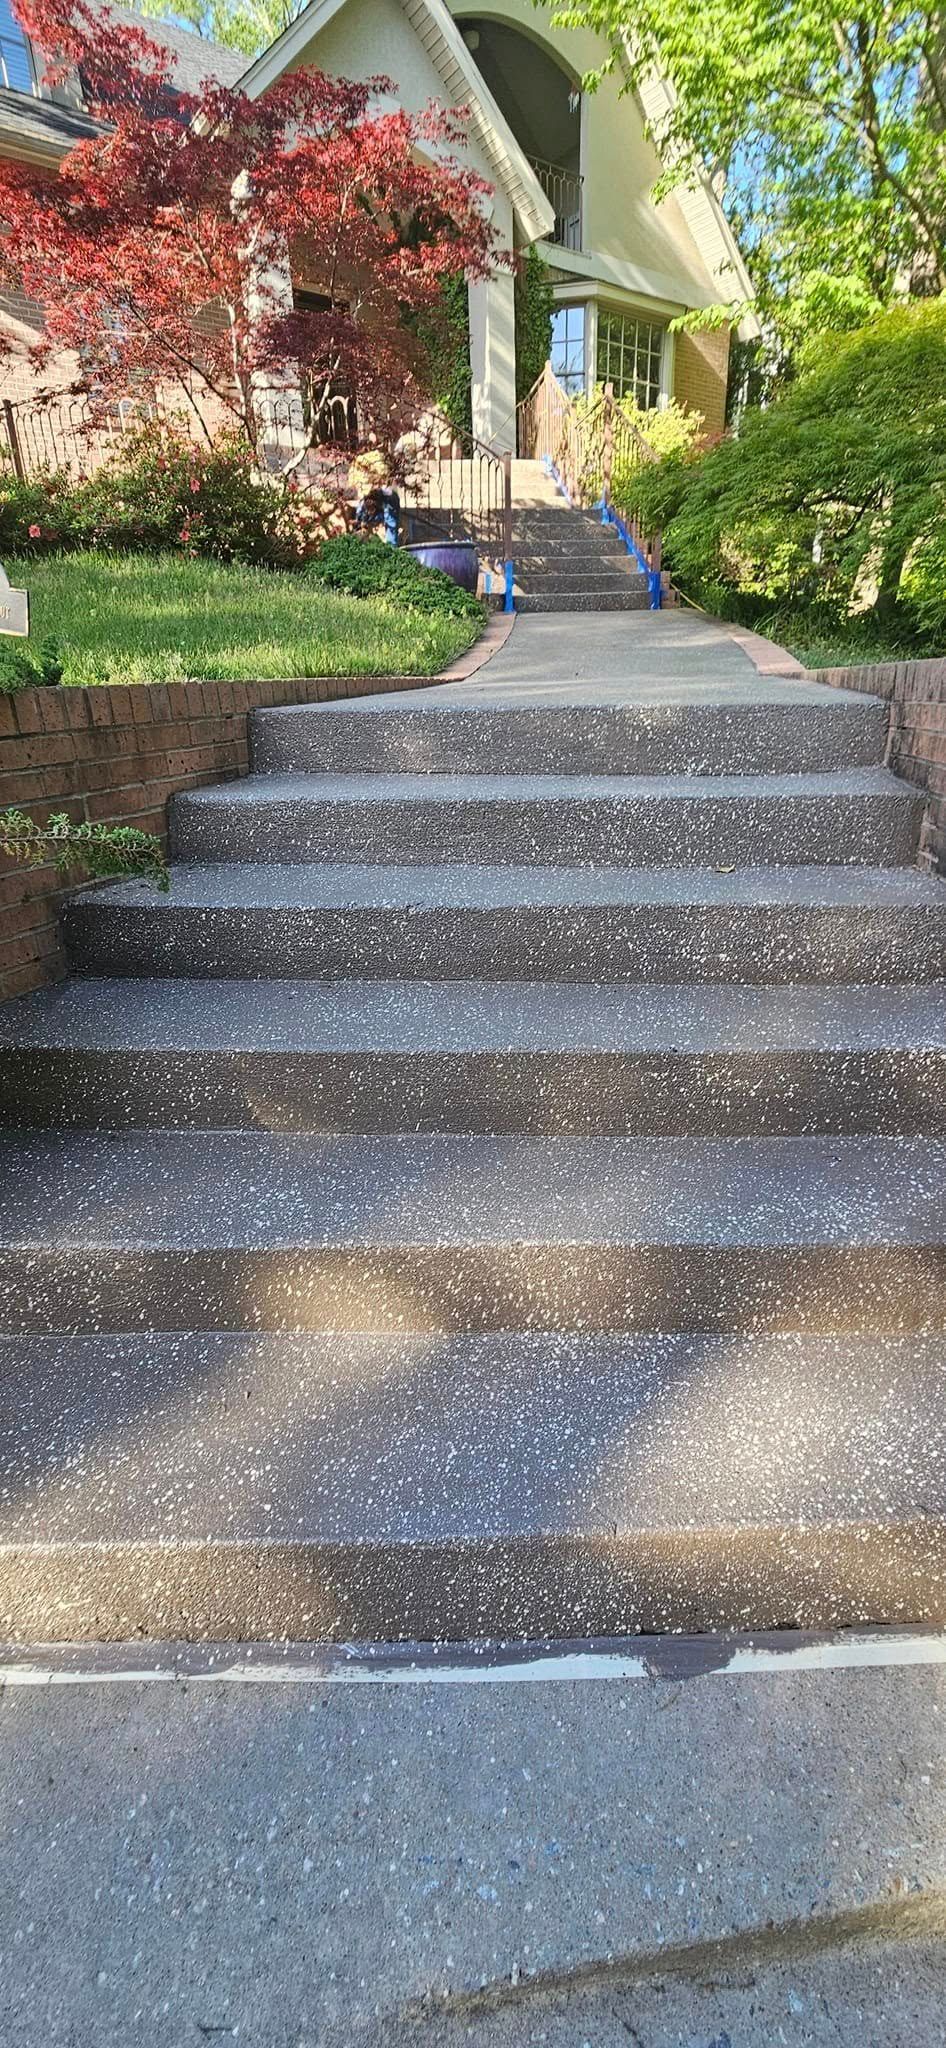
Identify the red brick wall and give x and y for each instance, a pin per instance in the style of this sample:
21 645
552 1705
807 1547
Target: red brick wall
916 741
117 755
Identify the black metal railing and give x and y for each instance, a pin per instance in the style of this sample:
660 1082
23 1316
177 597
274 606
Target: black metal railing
451 485
564 189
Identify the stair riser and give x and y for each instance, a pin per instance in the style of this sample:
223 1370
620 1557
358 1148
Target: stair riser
585 601
548 555
568 1094
571 579
651 944
497 1285
612 1585
645 832
669 740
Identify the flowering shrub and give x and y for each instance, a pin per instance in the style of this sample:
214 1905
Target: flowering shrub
158 492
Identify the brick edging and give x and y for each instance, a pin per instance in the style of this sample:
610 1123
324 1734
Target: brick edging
115 753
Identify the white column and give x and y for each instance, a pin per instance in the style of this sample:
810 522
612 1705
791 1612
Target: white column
493 361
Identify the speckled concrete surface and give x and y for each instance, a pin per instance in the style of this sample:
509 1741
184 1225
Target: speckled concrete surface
370 1487
860 815
540 1242
760 925
614 730
508 1057
292 1868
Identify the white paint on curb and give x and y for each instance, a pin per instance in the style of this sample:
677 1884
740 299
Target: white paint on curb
673 1658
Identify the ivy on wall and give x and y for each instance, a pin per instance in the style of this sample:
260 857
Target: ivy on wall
449 343
447 339
533 321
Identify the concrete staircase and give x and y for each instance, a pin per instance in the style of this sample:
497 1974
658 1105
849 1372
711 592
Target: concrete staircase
500 1190
566 561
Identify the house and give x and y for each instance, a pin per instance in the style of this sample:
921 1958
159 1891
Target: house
571 172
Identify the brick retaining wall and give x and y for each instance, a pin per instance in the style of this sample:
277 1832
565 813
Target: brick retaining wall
916 742
118 754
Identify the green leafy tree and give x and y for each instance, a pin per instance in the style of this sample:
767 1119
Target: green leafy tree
247 25
825 128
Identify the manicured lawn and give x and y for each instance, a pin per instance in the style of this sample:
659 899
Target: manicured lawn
161 618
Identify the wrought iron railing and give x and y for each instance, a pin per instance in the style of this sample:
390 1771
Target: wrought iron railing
451 485
564 189
598 456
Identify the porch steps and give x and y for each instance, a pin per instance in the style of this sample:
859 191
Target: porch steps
500 1191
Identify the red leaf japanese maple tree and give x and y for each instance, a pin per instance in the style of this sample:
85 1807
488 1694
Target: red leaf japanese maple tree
160 248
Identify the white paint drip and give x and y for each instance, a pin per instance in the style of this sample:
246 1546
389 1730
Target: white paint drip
343 1667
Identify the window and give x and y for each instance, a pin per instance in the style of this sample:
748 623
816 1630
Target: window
16 71
568 348
329 415
629 357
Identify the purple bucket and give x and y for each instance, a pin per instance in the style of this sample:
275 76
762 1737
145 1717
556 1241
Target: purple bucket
457 559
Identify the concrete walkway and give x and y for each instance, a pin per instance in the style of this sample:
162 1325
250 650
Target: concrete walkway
592 1854
714 1860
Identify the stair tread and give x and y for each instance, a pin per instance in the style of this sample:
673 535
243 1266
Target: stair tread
311 886
359 788
354 1439
410 1017
68 1193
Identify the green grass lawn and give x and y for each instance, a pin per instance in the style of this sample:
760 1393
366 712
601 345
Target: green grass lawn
163 619
844 644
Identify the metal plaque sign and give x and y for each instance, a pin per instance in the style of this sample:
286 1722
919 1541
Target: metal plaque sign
14 607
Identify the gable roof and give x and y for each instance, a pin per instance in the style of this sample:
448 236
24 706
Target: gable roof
462 83
197 60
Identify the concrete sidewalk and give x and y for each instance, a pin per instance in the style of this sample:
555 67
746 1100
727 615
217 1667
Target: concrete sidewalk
718 1860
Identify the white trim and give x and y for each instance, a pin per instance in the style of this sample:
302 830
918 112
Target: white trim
457 70
672 294
676 1658
697 200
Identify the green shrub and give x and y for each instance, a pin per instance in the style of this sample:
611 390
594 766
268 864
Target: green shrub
19 670
100 851
923 586
368 568
833 497
161 491
36 515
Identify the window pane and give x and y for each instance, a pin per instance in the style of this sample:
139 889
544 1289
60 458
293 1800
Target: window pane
629 356
568 347
15 69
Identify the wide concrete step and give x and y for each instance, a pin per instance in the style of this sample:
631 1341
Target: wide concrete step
504 1057
416 1487
766 925
425 735
846 817
633 600
434 1233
